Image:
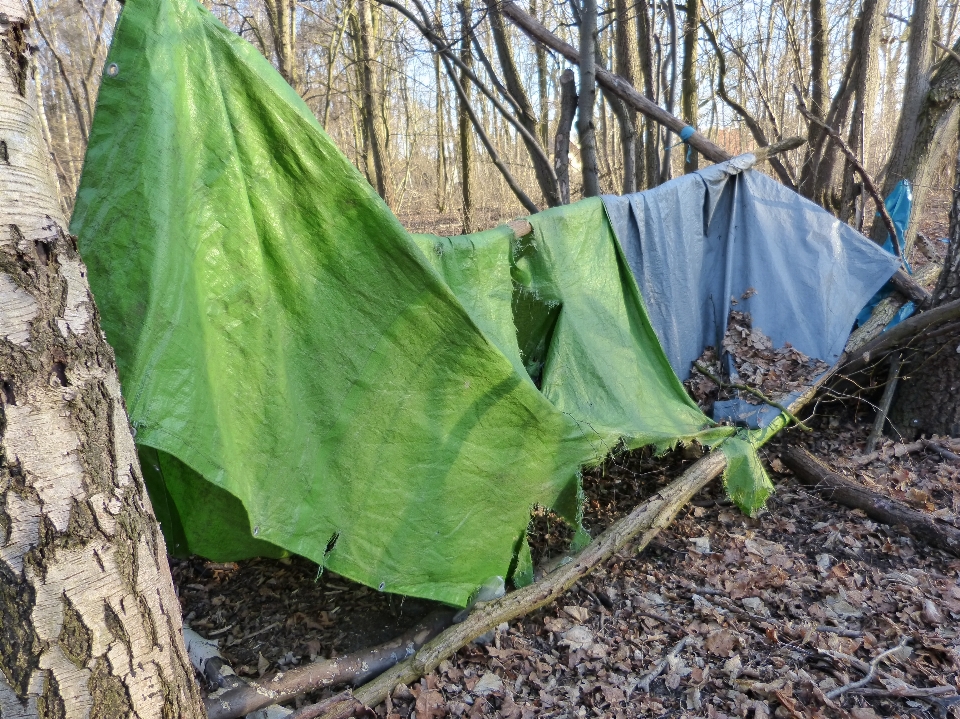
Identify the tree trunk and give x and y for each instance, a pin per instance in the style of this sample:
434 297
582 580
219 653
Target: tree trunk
928 398
524 108
587 98
89 622
930 138
625 63
281 15
561 157
372 122
688 78
651 155
463 122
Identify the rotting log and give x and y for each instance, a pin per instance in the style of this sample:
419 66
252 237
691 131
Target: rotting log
881 508
352 668
614 84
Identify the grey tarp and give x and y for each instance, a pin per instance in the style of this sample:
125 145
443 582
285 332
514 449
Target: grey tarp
699 241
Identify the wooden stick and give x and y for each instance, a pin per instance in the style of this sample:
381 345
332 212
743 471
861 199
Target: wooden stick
751 390
877 506
646 520
881 419
355 668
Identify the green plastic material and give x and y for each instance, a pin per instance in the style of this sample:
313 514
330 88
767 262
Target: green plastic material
304 375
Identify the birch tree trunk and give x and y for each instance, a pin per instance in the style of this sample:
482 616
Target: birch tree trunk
89 622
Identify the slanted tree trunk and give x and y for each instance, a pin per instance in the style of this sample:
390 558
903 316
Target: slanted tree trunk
928 396
89 622
523 107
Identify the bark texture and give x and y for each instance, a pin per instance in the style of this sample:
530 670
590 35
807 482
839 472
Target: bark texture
928 400
89 622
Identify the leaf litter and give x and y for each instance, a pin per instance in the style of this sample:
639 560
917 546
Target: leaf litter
776 372
770 614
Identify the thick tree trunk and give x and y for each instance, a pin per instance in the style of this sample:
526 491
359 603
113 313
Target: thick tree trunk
89 622
928 398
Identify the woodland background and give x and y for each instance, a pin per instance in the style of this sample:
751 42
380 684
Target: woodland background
389 100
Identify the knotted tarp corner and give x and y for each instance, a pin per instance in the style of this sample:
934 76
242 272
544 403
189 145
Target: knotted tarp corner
305 376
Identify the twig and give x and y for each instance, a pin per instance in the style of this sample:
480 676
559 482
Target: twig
647 679
755 392
881 419
940 449
834 693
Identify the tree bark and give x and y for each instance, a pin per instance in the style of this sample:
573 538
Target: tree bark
928 398
463 122
89 622
561 154
587 99
372 123
651 155
688 78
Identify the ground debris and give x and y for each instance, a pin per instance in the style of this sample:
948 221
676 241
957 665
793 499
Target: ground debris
774 371
771 613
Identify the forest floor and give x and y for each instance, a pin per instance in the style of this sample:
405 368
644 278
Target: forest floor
746 616
723 615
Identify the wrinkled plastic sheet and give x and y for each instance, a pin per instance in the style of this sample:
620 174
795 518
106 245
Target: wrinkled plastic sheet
732 238
305 376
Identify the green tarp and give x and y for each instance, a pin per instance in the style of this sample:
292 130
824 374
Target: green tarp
305 376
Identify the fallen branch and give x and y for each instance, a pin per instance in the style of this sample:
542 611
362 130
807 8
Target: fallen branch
349 707
871 673
646 520
888 307
751 390
877 506
352 668
901 335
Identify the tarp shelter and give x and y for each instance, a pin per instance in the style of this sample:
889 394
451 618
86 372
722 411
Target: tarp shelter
305 376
